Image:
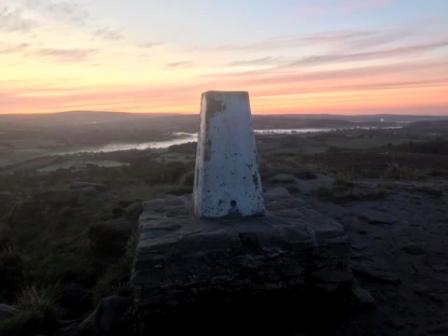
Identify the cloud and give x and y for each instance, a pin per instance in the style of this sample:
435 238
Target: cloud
180 64
353 39
360 86
13 20
368 55
299 81
69 55
348 38
375 40
108 34
355 4
335 36
72 55
271 43
71 14
148 45
316 8
12 48
66 11
255 61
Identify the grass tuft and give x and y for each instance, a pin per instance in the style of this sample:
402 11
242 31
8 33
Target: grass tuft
36 313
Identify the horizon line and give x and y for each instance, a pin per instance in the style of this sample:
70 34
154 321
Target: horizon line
443 114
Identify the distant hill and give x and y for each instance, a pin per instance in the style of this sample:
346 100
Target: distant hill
76 118
358 118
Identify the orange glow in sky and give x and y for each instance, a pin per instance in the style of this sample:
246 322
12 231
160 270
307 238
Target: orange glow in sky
158 56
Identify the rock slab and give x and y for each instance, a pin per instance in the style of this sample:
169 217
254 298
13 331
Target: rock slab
181 258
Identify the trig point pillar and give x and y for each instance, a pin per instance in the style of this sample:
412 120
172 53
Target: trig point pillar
227 182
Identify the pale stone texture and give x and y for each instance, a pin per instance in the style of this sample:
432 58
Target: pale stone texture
227 182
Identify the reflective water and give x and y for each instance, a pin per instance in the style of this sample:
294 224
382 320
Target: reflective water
180 138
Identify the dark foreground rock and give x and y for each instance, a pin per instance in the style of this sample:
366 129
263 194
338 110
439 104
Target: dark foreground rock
7 311
180 259
109 318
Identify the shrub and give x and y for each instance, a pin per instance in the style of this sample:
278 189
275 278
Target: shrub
115 280
11 272
155 172
188 179
108 240
36 313
179 190
398 172
341 194
345 180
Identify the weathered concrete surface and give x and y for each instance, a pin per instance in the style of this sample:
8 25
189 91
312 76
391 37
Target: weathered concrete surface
227 182
181 258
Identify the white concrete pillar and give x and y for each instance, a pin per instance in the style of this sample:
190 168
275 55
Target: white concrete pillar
227 182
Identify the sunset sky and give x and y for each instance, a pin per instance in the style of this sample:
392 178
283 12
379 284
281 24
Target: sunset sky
320 56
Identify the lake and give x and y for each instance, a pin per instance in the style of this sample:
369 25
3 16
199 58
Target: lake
180 138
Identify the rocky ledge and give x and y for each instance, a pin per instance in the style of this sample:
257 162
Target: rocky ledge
180 258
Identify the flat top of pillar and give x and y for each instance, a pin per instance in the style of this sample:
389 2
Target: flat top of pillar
221 93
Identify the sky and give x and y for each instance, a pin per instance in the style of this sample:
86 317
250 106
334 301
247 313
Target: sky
320 56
